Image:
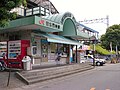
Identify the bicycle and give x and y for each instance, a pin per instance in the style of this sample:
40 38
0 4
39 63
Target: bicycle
3 65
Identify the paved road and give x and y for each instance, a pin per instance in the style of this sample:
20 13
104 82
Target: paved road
101 78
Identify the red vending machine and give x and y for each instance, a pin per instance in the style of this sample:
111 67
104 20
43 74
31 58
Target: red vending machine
16 51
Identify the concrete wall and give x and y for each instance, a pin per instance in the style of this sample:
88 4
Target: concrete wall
26 35
18 35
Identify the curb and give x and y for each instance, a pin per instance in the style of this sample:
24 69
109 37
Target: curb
19 76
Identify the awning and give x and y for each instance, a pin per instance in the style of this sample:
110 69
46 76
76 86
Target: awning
58 39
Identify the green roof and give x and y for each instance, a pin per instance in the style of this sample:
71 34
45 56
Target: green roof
58 17
57 39
31 23
69 24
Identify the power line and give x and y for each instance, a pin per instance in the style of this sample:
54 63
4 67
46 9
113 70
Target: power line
98 20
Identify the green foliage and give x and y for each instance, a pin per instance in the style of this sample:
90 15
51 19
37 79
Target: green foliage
5 7
113 27
101 50
112 35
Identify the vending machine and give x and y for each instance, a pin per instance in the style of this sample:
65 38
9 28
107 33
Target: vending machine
16 51
3 51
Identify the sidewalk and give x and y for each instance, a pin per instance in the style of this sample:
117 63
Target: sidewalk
15 82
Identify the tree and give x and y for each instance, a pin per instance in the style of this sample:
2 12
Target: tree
112 35
5 7
113 27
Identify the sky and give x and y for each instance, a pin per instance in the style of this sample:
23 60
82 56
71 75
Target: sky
91 9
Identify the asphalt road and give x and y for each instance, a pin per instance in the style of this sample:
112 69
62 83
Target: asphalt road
101 78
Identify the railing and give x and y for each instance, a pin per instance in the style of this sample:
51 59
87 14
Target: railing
37 11
19 11
33 11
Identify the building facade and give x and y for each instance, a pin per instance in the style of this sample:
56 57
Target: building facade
41 36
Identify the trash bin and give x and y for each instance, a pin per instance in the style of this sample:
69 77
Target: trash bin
26 63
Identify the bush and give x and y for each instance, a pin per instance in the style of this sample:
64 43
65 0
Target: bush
101 50
114 60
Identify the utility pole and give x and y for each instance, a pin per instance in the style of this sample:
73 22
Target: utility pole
107 18
117 50
111 48
94 53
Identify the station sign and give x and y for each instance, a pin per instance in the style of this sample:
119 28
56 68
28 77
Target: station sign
50 24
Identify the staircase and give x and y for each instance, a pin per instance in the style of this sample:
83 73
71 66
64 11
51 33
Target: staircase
34 76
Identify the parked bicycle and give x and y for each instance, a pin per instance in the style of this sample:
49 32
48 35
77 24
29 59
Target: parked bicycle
3 65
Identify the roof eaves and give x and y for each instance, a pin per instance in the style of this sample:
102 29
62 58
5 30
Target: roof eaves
89 28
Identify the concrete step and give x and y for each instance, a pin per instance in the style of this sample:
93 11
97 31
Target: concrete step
56 76
34 76
52 70
39 79
48 70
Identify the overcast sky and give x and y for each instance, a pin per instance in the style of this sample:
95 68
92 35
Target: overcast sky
91 9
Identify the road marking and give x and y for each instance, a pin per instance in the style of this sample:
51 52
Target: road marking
93 88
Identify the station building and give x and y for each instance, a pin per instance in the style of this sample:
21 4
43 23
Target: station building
41 32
